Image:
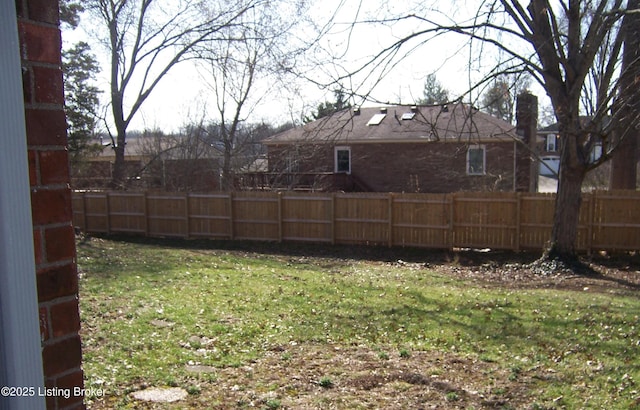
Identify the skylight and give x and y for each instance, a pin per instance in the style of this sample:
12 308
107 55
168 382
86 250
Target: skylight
407 116
376 119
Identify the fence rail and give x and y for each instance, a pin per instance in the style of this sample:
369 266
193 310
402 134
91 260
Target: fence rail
518 221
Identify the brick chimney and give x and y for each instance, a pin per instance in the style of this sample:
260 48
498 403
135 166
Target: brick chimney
526 128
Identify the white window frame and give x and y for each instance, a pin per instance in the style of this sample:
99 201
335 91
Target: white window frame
484 159
336 150
554 138
596 153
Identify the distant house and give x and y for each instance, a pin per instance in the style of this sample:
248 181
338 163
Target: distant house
433 149
548 148
154 163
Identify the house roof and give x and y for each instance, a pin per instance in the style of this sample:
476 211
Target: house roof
134 149
555 127
449 123
145 147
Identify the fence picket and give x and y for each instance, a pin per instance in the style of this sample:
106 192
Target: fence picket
519 221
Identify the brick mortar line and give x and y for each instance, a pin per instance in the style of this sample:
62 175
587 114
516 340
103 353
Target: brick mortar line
57 301
62 186
39 23
43 106
57 264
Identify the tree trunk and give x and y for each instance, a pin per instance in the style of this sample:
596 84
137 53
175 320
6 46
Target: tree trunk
566 215
119 175
624 163
227 175
625 158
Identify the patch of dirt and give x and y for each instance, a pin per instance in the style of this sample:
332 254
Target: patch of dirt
600 272
619 274
331 377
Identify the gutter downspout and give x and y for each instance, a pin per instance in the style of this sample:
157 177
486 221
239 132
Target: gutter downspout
20 340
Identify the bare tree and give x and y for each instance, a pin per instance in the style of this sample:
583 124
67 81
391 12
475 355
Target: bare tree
558 44
191 160
243 73
145 40
185 161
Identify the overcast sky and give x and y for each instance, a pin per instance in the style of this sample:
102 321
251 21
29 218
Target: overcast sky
181 96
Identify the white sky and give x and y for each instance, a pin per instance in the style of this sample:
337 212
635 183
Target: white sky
181 95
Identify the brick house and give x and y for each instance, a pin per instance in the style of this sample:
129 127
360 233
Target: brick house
432 149
40 344
154 164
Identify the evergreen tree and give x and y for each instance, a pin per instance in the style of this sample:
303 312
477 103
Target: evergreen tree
434 93
79 68
498 101
327 108
70 12
500 98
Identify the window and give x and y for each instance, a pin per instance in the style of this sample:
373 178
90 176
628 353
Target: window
291 163
292 157
551 143
596 153
476 160
343 159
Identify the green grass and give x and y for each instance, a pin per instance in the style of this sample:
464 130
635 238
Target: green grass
148 310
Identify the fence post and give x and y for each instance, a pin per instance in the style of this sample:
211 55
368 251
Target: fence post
332 218
187 214
590 222
518 219
231 234
108 211
280 222
85 218
451 216
390 218
146 213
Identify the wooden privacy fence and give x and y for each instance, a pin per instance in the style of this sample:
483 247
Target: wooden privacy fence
517 221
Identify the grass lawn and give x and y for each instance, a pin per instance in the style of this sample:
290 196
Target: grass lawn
328 328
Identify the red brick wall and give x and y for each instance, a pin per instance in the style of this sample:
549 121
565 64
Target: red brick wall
434 167
57 279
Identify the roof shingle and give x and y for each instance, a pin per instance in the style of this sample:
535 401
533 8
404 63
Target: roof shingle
456 122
